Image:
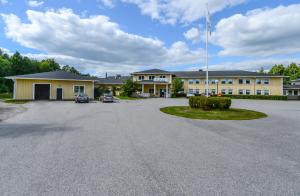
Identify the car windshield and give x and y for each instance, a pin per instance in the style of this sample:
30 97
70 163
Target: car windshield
81 95
108 95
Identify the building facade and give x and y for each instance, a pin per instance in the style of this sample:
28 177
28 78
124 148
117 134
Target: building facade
159 82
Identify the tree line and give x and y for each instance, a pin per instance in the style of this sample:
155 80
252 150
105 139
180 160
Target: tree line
17 64
292 71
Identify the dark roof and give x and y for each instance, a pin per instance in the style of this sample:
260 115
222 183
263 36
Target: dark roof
55 75
113 80
291 86
236 73
153 71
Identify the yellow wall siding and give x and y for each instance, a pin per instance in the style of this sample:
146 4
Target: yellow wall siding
275 85
24 88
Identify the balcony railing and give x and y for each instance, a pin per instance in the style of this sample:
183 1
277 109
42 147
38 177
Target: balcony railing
160 80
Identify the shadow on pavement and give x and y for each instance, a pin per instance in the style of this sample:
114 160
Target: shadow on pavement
19 130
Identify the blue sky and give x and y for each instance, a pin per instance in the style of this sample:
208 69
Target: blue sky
121 36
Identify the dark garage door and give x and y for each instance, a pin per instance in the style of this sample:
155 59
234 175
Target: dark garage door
42 92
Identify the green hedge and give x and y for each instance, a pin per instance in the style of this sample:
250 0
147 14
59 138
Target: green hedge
6 95
265 97
175 95
202 102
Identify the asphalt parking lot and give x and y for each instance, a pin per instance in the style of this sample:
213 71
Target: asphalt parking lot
131 148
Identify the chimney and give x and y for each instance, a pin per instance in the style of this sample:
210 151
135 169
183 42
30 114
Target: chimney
200 70
106 75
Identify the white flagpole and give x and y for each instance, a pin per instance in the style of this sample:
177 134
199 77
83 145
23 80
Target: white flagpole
207 52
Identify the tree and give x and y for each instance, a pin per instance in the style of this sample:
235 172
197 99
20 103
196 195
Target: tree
293 71
68 68
277 70
177 85
129 87
48 65
262 70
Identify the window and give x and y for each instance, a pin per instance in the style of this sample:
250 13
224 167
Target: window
230 91
223 82
78 89
141 77
197 91
223 91
213 91
151 77
208 81
266 92
191 81
295 92
247 81
248 92
151 90
258 81
266 81
162 76
214 82
197 81
191 91
241 81
230 81
241 92
258 92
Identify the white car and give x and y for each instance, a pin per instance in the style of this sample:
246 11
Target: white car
190 95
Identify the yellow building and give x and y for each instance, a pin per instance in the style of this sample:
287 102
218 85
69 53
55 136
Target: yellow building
159 82
57 85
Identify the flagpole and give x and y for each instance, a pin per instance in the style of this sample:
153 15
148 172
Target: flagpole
207 53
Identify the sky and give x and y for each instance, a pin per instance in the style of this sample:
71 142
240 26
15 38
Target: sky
123 36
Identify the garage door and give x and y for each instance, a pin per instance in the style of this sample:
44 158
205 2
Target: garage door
42 91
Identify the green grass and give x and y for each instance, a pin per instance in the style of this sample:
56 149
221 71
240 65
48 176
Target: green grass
6 95
15 101
231 114
127 98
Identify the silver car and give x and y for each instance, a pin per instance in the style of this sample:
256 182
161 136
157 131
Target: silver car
107 98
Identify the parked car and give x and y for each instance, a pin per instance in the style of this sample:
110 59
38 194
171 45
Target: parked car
107 98
190 95
82 98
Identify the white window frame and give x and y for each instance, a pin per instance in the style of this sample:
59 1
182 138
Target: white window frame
225 81
151 77
230 91
241 90
191 81
33 90
260 92
230 81
247 90
197 81
141 78
224 90
78 85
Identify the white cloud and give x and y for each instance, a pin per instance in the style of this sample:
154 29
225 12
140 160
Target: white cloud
107 3
193 34
261 32
33 3
184 11
94 42
3 2
253 65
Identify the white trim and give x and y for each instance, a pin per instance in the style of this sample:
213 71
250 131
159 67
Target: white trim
15 89
93 90
62 93
33 90
78 85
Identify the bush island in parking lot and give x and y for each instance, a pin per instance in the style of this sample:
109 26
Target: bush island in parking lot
217 103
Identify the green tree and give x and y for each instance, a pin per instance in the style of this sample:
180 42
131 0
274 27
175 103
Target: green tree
48 65
293 71
277 70
177 85
129 87
70 69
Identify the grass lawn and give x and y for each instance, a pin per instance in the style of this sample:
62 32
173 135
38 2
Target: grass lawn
127 98
7 98
231 114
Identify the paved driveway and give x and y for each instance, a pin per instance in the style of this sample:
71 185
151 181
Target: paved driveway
130 148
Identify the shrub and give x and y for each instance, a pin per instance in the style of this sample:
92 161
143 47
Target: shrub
221 103
199 102
175 95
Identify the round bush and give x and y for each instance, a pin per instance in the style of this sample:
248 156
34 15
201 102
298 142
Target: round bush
221 103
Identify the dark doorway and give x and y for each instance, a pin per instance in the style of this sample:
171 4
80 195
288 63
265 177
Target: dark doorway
59 92
42 91
162 92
